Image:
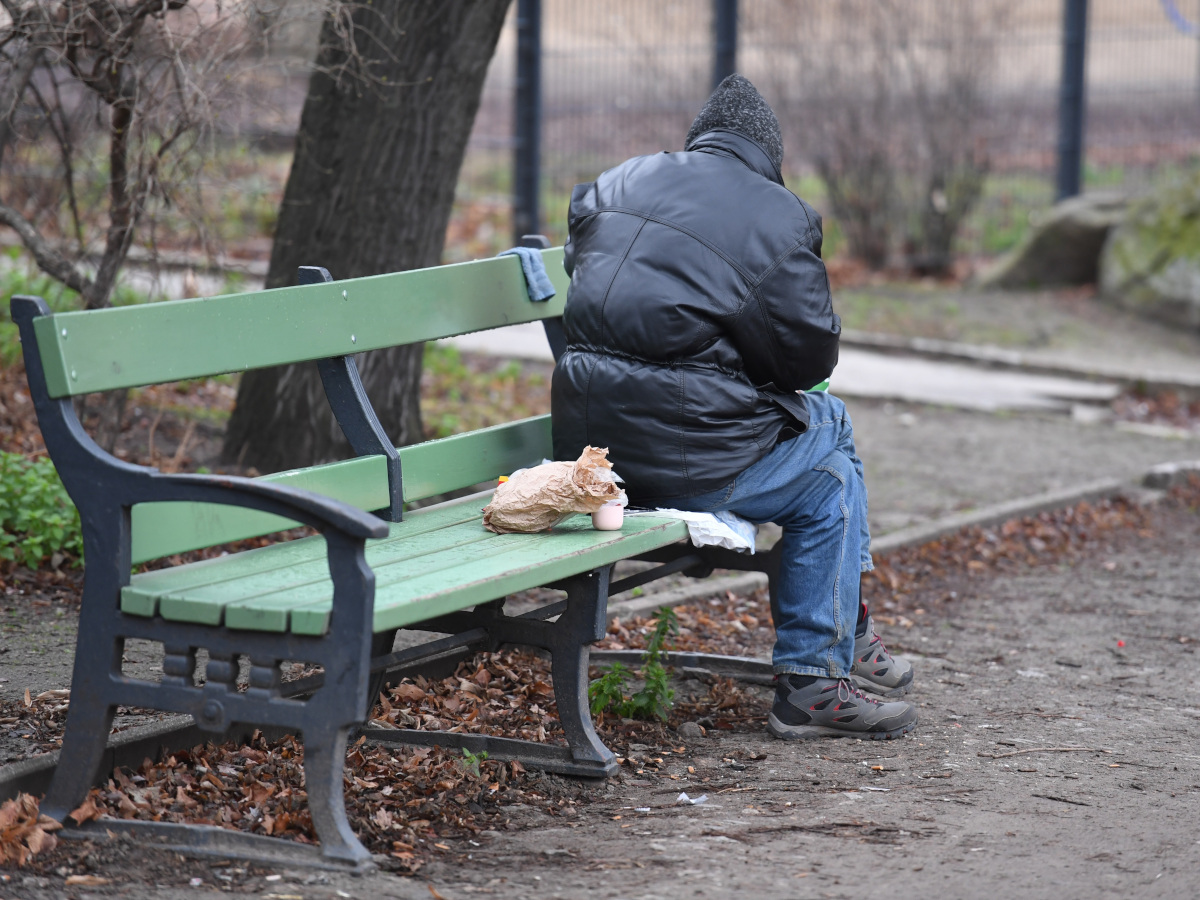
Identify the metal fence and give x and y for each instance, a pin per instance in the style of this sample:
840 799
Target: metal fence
622 78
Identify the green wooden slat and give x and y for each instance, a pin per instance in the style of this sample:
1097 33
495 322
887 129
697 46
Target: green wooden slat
274 610
579 548
250 598
431 468
450 565
145 590
158 342
492 568
457 554
161 529
448 464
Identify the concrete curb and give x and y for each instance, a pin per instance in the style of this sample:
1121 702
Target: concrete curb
1000 512
907 537
998 357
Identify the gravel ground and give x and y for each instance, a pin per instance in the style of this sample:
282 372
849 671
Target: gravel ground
925 462
1050 761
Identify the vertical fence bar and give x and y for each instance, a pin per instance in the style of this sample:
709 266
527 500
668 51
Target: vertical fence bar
528 125
725 39
1072 99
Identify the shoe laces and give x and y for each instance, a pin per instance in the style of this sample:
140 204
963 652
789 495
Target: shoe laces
876 639
851 692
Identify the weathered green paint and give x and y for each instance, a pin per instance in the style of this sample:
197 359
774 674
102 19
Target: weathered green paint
161 529
283 556
433 562
268 590
530 560
98 350
448 464
431 468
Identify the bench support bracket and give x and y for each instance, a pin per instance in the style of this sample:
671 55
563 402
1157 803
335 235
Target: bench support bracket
354 412
581 621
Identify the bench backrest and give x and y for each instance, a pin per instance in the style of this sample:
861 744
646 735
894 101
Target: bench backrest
153 343
97 350
430 468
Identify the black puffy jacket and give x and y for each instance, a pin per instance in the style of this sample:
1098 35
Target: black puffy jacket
698 306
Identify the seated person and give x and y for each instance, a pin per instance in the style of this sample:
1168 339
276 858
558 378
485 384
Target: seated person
699 306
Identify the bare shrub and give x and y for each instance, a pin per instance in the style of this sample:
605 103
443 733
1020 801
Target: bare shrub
110 111
887 102
107 115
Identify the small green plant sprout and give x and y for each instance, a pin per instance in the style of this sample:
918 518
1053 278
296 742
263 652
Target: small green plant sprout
38 521
666 623
654 699
471 761
608 691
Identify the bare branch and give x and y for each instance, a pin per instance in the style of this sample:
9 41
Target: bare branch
48 259
10 96
152 74
67 149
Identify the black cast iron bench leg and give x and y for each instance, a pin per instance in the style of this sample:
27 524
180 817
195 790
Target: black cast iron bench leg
324 762
582 620
97 658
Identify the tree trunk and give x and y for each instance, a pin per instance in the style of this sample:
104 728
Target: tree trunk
370 191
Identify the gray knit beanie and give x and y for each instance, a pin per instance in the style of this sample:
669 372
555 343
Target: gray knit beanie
736 105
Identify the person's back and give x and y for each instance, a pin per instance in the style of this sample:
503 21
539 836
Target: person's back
698 308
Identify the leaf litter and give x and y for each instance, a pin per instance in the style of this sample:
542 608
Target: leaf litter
406 803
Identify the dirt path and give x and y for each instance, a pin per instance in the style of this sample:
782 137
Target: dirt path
971 799
1050 761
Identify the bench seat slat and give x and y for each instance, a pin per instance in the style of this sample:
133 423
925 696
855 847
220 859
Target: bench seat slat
578 548
460 552
274 593
287 555
521 561
278 608
435 562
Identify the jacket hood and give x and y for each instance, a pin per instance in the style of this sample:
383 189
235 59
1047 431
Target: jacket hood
744 148
736 105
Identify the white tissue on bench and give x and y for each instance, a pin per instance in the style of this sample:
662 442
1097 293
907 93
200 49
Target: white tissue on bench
719 529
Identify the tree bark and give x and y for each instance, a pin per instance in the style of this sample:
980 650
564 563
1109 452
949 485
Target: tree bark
370 191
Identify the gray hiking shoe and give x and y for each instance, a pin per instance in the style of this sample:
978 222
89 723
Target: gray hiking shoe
875 669
833 707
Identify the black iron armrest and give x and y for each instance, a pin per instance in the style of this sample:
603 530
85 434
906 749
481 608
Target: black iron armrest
306 507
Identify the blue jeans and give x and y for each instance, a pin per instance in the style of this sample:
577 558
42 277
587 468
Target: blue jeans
812 486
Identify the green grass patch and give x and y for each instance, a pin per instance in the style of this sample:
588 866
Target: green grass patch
465 393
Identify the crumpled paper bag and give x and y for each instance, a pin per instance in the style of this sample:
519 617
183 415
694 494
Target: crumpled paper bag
539 498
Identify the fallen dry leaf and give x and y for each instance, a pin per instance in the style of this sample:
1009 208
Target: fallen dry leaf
87 880
409 692
24 832
86 812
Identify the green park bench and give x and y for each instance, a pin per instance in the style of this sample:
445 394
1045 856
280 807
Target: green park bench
335 600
